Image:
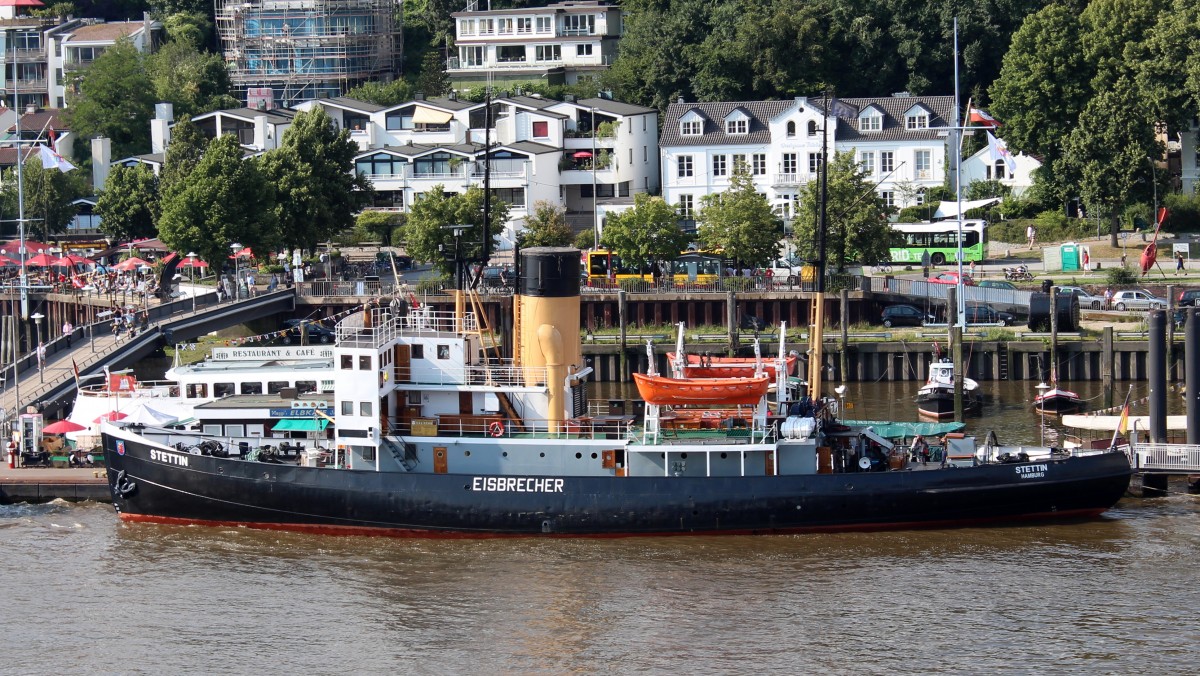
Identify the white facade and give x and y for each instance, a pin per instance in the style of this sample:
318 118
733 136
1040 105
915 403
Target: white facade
981 167
565 39
541 150
1189 158
900 142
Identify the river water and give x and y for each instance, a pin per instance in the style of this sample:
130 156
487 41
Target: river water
86 594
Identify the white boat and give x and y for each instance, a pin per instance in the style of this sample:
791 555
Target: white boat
935 399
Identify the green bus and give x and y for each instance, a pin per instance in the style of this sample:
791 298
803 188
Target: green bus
940 240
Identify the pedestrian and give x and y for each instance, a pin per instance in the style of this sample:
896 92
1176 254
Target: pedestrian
1031 235
1179 262
1108 297
68 329
972 269
41 356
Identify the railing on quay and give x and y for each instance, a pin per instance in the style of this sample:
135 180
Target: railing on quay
919 288
1166 458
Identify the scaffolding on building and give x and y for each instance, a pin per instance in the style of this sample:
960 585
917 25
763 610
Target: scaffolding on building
281 52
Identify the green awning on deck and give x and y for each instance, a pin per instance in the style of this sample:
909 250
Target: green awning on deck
300 425
901 430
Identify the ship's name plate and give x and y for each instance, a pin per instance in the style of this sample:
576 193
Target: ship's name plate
1032 471
169 458
513 484
280 353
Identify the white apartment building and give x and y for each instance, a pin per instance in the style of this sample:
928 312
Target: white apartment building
900 141
981 167
588 155
558 42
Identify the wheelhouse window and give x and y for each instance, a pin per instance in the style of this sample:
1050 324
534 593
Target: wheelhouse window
222 390
364 362
276 386
418 351
347 408
364 408
443 351
197 391
306 386
347 362
252 388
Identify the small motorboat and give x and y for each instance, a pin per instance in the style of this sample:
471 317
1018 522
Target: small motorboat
1056 401
664 391
705 366
935 399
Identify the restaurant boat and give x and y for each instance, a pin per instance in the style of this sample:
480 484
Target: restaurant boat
435 434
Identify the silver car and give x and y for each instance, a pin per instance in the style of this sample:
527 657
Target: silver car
1137 300
1086 300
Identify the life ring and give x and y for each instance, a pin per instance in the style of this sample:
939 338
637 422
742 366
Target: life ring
495 428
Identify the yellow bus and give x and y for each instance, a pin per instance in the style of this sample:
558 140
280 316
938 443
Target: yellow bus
696 267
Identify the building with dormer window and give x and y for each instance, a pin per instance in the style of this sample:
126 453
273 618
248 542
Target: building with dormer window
559 42
900 142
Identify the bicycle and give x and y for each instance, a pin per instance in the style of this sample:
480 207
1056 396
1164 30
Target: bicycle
881 269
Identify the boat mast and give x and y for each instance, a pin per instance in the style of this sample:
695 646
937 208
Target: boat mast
816 356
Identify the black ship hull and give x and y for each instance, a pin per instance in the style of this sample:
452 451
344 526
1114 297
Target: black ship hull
154 485
1058 405
939 403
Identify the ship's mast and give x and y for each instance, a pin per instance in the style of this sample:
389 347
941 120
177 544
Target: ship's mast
816 356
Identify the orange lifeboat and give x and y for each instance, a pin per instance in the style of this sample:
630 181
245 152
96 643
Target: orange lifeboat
664 391
700 366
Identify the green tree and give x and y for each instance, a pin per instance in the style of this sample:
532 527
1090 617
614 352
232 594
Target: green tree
547 226
318 191
378 226
1107 153
1114 36
428 238
1043 85
48 196
432 81
645 235
740 222
184 152
194 27
115 100
128 206
193 81
856 228
1169 76
382 93
224 200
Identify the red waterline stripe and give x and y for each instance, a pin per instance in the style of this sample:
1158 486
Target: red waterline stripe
370 531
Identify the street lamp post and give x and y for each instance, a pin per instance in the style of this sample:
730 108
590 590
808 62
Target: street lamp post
237 289
841 393
1041 388
191 272
37 318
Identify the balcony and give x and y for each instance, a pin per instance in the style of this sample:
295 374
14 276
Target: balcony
792 179
27 55
29 85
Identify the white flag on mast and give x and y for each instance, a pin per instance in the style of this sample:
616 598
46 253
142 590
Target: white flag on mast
52 160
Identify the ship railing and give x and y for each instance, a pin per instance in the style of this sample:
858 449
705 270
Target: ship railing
1167 458
145 388
500 427
387 325
493 373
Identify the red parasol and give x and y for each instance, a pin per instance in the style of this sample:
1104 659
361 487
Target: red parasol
40 261
193 263
6 262
30 246
1150 253
111 416
71 260
244 253
130 264
62 427
582 154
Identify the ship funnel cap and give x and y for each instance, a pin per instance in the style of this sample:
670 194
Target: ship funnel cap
550 272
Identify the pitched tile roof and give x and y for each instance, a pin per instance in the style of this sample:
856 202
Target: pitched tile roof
713 131
36 122
846 110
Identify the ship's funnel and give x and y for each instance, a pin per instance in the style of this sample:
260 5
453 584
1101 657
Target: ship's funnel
549 296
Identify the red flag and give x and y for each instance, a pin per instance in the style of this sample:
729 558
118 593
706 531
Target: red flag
981 118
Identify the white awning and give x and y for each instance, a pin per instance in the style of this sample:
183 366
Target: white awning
430 116
950 209
1108 423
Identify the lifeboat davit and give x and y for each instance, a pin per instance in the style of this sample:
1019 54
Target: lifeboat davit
663 391
701 366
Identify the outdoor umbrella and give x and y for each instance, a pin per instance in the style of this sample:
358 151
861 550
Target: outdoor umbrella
110 416
129 264
144 415
40 261
193 263
62 427
30 246
244 253
6 262
71 260
581 155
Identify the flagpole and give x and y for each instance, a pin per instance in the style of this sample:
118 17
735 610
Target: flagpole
961 295
1124 418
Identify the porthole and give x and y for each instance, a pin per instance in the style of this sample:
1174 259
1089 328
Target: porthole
467 454
578 456
594 456
724 455
542 454
683 456
504 454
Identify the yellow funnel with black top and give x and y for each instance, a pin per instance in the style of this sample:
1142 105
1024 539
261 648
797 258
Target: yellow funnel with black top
547 327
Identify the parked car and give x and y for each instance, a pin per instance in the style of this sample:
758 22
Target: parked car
951 278
1137 300
904 315
317 332
985 314
1086 300
996 284
1187 297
